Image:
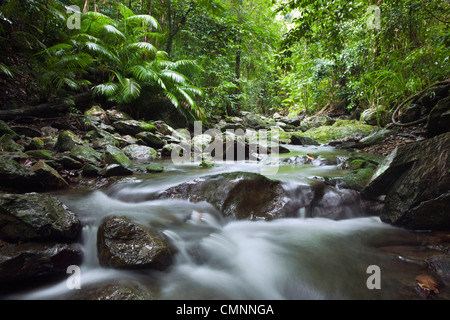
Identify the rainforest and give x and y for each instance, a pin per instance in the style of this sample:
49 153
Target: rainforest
224 150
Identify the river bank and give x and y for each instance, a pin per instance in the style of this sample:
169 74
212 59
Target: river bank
116 188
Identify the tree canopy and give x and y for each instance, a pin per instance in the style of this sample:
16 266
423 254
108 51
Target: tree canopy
217 58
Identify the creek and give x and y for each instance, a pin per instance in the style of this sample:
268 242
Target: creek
218 258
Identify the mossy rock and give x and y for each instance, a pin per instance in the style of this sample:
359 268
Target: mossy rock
7 143
86 153
339 130
359 178
206 164
154 168
66 141
114 155
40 154
5 129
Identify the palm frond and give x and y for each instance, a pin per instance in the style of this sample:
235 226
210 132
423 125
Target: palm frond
174 76
108 89
130 89
144 19
172 98
144 47
6 70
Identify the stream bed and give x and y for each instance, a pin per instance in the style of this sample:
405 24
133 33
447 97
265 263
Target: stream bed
289 258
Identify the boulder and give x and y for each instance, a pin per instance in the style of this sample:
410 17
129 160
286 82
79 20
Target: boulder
7 143
439 118
117 115
238 195
315 122
89 170
299 140
66 141
40 154
36 217
139 152
133 127
154 168
415 180
150 139
254 121
113 170
124 244
48 177
96 114
376 137
373 117
86 153
5 129
13 174
114 155
25 263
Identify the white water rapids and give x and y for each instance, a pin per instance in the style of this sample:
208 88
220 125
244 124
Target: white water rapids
289 258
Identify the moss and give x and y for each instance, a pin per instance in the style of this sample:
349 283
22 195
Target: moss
359 178
339 130
154 168
207 164
40 154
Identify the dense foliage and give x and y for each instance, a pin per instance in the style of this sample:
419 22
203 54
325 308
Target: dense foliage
216 58
337 57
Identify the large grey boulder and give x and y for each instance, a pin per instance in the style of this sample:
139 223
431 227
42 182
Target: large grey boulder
36 217
238 195
415 179
124 244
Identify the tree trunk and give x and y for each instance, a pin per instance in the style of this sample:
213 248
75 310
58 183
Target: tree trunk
238 58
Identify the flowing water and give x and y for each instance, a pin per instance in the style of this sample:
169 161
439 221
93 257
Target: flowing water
291 258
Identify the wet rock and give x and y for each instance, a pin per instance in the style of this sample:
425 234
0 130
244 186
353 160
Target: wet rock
315 122
36 217
154 168
124 244
415 179
114 155
163 127
67 141
117 115
5 129
133 127
40 154
96 114
47 176
113 170
139 152
13 174
376 137
68 162
22 263
118 289
89 170
299 140
239 195
86 153
7 143
254 121
27 131
439 118
150 139
375 117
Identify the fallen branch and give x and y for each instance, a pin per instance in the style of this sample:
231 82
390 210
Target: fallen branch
45 110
